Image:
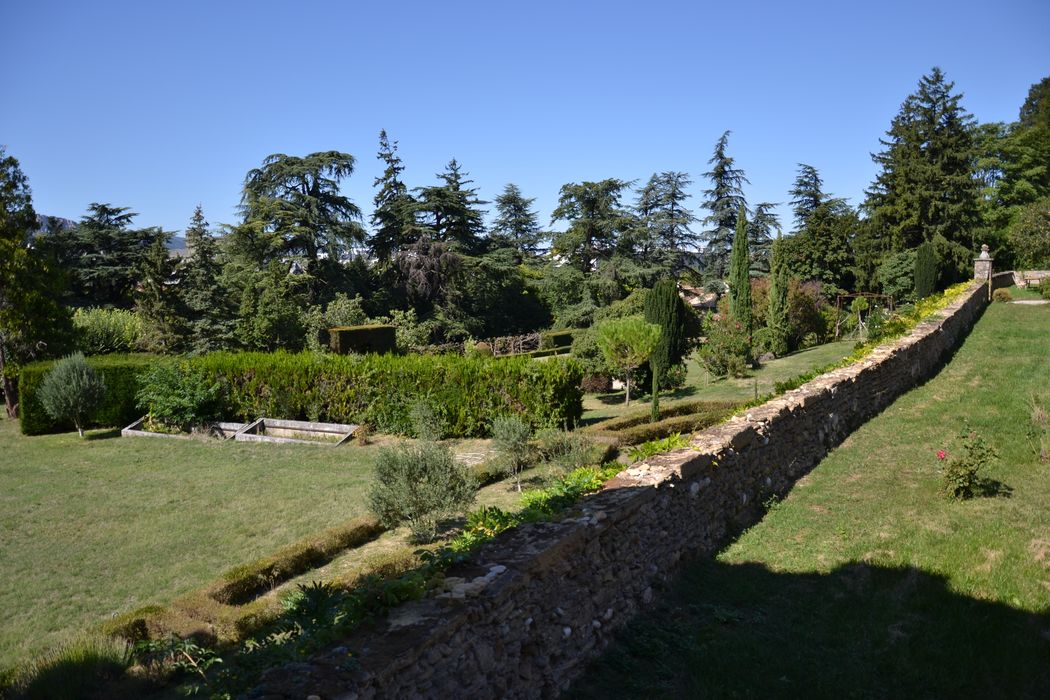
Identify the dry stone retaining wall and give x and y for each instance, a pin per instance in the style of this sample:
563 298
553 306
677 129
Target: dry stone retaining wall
539 602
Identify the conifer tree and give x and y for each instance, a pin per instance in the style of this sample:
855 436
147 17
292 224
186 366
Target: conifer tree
739 276
926 186
807 194
723 199
205 300
665 308
760 236
596 220
666 241
926 272
451 213
393 220
777 313
157 300
516 225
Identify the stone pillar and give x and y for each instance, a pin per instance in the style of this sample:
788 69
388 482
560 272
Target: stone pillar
982 265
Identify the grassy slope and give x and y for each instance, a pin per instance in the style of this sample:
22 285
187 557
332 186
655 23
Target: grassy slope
865 581
96 527
700 385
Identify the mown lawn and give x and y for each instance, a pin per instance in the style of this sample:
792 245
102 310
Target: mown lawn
865 581
89 528
700 385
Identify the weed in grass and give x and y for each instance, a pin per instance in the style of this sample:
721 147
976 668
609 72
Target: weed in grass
960 474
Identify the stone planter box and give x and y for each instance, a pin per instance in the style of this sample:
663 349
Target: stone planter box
223 431
302 432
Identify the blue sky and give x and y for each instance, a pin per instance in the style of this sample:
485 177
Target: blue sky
160 106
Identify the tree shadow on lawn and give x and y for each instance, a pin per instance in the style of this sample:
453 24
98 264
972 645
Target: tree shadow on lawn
860 631
102 434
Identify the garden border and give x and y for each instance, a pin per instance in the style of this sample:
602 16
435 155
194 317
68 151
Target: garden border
535 605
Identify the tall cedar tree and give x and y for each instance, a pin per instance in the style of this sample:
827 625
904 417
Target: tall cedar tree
205 301
822 249
760 236
740 277
807 194
292 206
393 220
666 239
516 225
32 322
451 213
665 308
724 199
596 222
927 184
777 313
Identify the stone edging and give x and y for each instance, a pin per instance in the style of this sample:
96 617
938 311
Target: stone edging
536 604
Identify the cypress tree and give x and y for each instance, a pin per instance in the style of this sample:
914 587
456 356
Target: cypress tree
664 307
925 270
739 277
777 315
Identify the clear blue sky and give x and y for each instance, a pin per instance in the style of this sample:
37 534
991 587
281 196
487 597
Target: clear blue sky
160 105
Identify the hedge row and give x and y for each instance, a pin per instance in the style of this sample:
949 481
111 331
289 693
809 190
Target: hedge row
375 390
380 390
119 372
686 417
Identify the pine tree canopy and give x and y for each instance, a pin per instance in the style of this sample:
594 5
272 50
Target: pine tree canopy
723 200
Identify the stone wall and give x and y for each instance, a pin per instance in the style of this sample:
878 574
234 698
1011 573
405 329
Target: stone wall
536 604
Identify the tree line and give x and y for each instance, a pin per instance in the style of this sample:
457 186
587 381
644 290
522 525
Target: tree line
301 258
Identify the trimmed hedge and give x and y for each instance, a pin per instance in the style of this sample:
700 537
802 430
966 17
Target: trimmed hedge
556 339
681 418
380 390
121 374
362 339
246 582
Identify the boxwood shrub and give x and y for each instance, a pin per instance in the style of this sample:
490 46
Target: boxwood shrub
120 373
380 390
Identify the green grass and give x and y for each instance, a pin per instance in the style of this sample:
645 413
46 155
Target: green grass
1019 293
700 385
91 528
865 581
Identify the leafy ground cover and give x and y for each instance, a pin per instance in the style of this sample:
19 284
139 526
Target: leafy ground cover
866 581
700 385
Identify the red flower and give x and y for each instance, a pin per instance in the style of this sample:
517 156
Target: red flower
941 454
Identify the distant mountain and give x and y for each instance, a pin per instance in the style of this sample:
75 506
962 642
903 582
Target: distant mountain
45 224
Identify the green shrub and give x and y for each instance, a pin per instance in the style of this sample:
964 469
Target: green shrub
119 372
727 351
659 446
510 436
363 339
179 396
688 423
565 451
72 391
420 485
73 671
426 423
961 473
106 331
380 390
1002 296
1044 288
926 271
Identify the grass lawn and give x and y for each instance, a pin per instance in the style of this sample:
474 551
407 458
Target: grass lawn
1019 293
865 581
89 528
700 385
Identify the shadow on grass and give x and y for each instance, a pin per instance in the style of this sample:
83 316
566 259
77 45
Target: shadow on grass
102 434
992 488
860 631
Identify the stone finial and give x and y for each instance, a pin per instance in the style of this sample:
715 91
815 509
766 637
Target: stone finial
982 265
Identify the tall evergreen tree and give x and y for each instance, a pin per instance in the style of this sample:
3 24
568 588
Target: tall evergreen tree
740 276
926 186
205 301
393 220
596 222
823 249
925 270
450 213
32 322
665 308
516 225
723 199
777 313
157 301
760 236
807 194
667 240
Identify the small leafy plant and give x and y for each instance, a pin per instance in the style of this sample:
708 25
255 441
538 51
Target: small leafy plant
178 397
510 436
72 391
960 474
655 447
